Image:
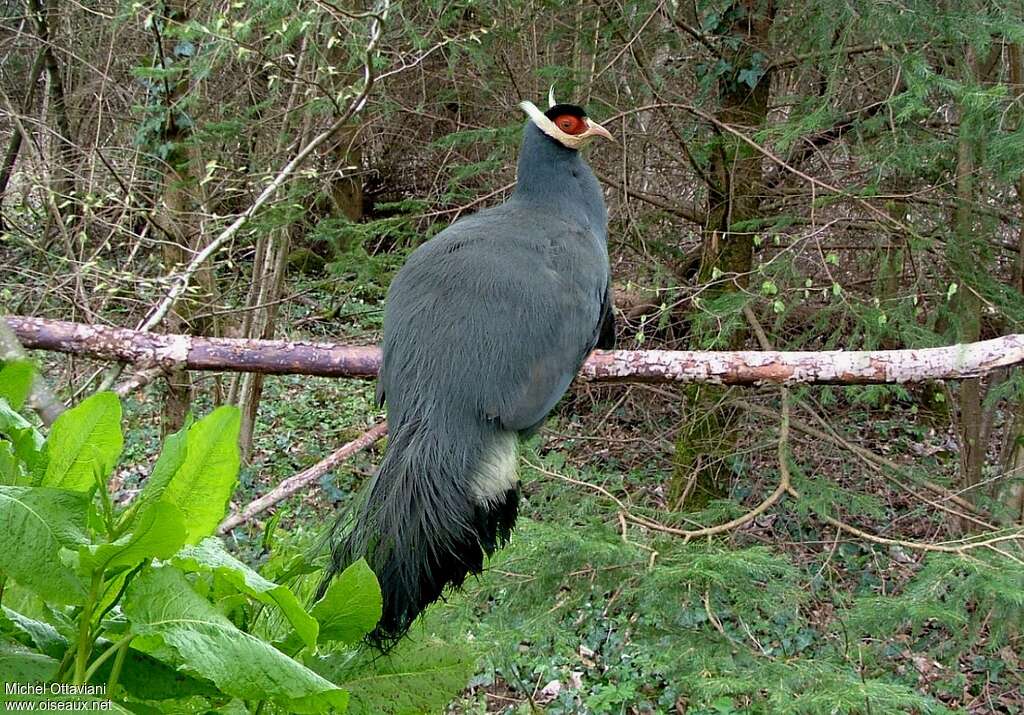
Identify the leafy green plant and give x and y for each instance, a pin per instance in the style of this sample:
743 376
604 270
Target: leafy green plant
144 605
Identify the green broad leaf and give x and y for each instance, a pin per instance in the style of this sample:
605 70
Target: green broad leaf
16 382
26 441
204 481
158 533
146 678
420 675
43 636
172 456
18 664
211 556
164 609
351 606
750 77
35 522
11 472
61 620
84 443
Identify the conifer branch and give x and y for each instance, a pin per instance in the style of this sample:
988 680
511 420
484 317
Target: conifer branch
960 547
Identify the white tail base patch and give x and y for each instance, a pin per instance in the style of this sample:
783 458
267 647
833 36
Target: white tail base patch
498 470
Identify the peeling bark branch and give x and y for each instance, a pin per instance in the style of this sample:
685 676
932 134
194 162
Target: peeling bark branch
741 367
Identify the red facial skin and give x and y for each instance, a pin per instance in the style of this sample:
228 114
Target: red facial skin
570 124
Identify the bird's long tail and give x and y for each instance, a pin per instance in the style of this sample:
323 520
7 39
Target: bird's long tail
431 513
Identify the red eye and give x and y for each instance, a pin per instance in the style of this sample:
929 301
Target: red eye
570 124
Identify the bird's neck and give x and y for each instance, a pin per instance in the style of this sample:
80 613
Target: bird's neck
554 179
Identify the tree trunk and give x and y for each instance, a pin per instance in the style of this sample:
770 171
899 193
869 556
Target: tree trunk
269 285
14 145
346 153
701 467
269 270
1012 494
893 258
737 186
963 254
174 213
347 182
63 163
1017 86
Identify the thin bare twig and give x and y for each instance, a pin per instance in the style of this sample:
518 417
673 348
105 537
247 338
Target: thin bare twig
182 280
300 481
988 540
688 534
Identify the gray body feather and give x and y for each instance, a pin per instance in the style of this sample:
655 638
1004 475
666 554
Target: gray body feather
485 327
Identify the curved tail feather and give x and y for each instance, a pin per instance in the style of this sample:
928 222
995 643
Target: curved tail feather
428 518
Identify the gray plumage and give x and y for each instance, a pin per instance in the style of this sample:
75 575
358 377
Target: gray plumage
484 329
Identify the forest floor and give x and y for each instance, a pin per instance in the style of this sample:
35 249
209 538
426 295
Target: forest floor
587 611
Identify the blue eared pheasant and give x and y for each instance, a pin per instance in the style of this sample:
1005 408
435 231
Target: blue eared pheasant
485 326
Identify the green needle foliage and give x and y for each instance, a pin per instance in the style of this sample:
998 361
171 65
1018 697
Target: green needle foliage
709 627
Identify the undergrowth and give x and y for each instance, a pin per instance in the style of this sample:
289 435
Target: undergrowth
781 616
579 617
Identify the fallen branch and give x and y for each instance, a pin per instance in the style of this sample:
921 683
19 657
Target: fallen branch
961 547
139 379
299 481
625 515
752 367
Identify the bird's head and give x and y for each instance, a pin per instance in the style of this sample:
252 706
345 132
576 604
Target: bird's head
567 124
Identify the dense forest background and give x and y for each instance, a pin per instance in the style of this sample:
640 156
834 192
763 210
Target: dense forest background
804 175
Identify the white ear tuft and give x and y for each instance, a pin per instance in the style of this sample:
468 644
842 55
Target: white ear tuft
533 113
551 97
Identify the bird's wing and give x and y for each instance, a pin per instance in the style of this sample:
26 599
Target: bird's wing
567 314
495 317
